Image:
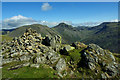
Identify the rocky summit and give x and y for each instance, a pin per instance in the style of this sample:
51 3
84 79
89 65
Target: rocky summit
77 60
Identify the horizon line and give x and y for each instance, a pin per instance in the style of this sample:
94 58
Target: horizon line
58 24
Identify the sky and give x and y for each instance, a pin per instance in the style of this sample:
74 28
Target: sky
16 14
60 0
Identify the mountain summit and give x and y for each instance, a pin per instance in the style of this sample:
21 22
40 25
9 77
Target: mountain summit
32 53
63 25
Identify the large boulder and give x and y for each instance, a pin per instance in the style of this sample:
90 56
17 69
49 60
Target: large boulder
53 41
52 57
61 65
97 48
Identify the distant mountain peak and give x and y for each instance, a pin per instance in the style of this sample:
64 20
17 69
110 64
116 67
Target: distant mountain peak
64 25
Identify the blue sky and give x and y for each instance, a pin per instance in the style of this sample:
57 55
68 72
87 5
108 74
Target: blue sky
54 12
60 0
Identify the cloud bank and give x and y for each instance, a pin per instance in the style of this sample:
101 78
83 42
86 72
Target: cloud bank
17 21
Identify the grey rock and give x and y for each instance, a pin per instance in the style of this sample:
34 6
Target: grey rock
78 45
112 57
35 65
43 48
52 56
60 75
5 61
61 65
24 58
29 47
90 59
71 73
40 60
26 64
68 48
14 54
58 38
103 75
97 48
53 41
111 70
57 47
96 59
103 64
91 66
49 41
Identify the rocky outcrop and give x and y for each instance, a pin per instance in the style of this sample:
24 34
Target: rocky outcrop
32 46
95 55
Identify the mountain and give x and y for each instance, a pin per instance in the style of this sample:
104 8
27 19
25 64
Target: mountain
6 31
105 34
44 30
71 34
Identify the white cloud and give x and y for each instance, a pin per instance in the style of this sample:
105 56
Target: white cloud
17 21
50 24
90 24
46 7
115 20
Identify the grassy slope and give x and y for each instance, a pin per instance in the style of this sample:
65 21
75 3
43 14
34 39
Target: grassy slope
28 72
5 38
71 34
44 30
106 37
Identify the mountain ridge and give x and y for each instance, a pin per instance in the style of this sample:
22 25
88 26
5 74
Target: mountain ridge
84 34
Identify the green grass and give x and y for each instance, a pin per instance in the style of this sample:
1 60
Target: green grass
75 55
27 72
5 38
